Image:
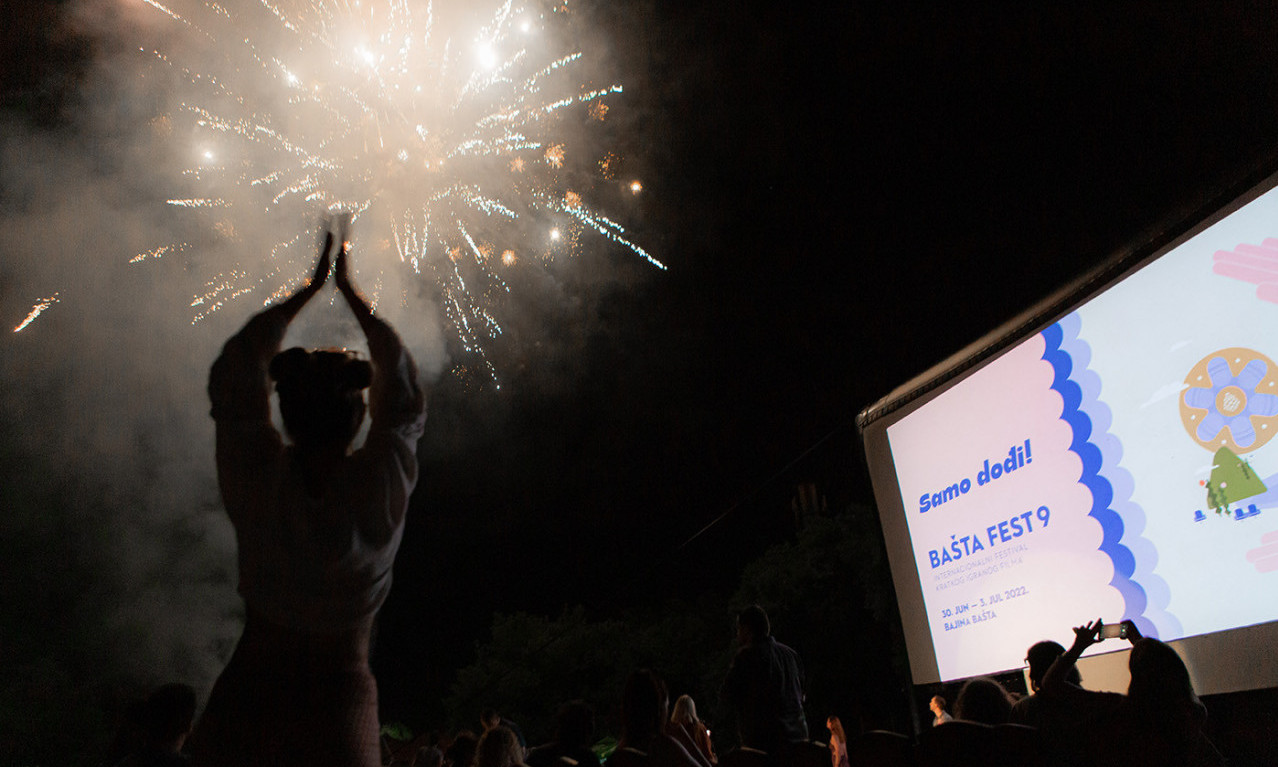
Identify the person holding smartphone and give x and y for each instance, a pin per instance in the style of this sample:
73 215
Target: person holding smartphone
1160 719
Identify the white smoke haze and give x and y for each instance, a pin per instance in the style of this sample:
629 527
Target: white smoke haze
120 568
112 502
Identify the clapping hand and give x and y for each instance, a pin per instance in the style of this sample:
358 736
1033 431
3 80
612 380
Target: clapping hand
323 266
342 272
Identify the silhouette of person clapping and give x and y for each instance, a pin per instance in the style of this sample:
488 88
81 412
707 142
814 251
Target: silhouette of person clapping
317 526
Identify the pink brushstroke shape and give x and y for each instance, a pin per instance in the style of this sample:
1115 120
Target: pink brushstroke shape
1268 291
1257 264
1269 250
1265 556
1246 260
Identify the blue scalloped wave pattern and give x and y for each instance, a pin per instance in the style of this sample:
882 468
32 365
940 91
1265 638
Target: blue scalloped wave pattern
1155 620
1099 453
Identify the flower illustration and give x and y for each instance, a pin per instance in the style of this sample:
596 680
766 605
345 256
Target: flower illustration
1235 401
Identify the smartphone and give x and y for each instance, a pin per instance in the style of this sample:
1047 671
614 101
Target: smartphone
1113 630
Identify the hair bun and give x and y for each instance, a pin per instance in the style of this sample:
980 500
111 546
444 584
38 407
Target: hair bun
288 365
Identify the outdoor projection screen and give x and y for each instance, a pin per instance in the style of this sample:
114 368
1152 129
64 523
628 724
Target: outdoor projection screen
1111 454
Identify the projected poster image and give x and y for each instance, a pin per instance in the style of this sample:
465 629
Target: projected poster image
1120 464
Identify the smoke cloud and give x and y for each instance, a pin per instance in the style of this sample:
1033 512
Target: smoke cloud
120 569
122 573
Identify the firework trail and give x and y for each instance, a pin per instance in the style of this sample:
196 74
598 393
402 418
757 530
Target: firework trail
36 311
454 152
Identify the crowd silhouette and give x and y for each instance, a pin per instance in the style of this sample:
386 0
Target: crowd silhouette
1159 721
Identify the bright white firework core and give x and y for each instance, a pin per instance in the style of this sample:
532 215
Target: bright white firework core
439 150
488 57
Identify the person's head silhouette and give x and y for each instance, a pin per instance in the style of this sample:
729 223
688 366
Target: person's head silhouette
321 396
1040 657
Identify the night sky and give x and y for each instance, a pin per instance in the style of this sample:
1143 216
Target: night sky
845 194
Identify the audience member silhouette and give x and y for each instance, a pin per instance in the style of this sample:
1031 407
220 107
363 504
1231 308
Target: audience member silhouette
1032 708
1058 719
428 756
498 747
838 742
1159 721
166 718
574 732
461 752
317 528
489 718
1166 711
983 700
644 709
764 686
939 714
691 732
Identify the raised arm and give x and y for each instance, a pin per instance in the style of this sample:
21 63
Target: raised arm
374 329
238 385
1056 680
395 396
294 303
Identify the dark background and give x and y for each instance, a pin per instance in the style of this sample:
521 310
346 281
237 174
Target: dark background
847 195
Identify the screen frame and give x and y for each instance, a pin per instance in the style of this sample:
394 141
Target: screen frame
1213 659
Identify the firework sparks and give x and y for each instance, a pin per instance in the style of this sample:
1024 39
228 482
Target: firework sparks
450 148
36 311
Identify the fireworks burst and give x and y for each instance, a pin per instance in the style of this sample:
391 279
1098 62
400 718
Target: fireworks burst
452 152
